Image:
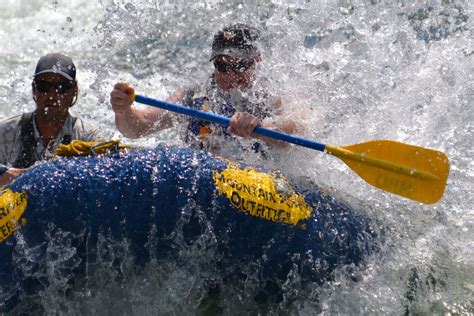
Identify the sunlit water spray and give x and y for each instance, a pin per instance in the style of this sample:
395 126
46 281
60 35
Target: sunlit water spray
351 71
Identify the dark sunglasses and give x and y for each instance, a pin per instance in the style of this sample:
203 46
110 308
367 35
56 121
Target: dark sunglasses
60 87
240 66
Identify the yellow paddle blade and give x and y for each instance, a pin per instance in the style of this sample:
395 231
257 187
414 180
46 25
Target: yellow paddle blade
414 172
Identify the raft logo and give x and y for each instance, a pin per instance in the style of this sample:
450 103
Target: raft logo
261 195
12 206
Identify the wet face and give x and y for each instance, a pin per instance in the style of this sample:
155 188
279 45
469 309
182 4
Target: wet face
231 73
53 94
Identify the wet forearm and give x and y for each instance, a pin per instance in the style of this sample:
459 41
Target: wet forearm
9 175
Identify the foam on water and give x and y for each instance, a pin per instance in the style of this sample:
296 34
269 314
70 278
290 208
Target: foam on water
350 70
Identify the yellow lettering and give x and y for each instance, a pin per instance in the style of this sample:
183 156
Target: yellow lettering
272 197
255 193
235 199
12 206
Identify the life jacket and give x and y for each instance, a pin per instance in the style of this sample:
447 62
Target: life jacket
198 130
26 156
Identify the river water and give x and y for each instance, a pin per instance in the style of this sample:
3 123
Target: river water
358 70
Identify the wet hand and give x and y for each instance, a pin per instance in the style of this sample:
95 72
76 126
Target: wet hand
242 124
121 98
8 176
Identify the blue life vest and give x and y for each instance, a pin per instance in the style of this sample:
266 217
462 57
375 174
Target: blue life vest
198 130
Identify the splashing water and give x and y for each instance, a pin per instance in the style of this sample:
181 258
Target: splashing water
351 71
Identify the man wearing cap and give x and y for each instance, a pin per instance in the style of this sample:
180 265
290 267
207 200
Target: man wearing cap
231 92
33 136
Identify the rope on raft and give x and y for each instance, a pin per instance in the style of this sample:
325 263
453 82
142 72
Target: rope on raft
89 148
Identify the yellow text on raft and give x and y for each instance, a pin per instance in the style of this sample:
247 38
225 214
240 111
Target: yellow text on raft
12 206
256 194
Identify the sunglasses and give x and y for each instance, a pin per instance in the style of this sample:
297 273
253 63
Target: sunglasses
239 66
59 87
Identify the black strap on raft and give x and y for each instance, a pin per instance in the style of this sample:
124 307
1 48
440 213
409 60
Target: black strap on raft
26 156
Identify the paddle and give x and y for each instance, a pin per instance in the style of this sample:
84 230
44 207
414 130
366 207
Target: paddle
413 172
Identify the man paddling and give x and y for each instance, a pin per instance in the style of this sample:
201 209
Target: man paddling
231 92
33 136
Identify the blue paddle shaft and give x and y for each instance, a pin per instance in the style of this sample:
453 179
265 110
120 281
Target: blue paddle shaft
224 121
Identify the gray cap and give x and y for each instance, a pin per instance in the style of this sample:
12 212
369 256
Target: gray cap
56 63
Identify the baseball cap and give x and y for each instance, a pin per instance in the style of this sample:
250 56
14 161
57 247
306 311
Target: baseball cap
237 40
56 63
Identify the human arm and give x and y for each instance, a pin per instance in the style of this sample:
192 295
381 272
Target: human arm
136 122
9 138
7 175
242 124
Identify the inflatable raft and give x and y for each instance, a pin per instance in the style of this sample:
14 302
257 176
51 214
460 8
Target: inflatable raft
152 198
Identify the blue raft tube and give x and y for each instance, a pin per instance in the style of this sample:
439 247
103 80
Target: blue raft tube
144 195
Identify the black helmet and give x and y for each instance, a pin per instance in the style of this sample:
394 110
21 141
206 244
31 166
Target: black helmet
236 40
